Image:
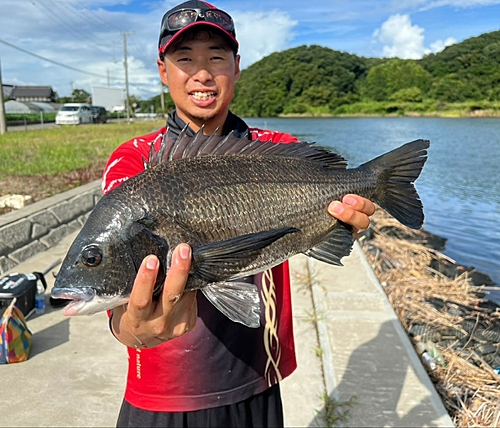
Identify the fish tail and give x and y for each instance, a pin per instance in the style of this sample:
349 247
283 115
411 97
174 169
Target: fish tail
394 190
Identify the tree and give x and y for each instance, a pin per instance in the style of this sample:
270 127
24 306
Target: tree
412 95
386 79
77 96
80 96
451 88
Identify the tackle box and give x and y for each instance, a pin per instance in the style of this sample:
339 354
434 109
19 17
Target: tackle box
22 286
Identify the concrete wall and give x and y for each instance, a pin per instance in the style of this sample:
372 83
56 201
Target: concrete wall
41 225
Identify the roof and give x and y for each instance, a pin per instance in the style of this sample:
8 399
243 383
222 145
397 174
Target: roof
32 91
7 89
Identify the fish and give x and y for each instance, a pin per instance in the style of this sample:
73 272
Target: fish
243 206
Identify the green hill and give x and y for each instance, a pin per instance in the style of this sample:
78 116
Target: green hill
314 80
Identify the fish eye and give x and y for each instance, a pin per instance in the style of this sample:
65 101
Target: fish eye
91 256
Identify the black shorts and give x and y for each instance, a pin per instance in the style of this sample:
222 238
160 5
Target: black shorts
261 410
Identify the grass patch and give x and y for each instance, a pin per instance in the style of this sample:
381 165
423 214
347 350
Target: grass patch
336 413
56 151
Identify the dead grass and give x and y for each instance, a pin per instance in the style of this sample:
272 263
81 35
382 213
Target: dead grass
42 186
450 312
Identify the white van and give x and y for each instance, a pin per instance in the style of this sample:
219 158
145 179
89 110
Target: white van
74 114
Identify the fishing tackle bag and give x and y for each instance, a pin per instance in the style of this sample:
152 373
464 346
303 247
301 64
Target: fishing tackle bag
22 287
15 336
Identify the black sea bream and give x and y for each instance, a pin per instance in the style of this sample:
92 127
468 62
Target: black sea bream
243 206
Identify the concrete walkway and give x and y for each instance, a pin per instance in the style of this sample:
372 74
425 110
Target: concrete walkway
356 365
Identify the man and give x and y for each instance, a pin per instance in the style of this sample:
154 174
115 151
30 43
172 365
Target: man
221 373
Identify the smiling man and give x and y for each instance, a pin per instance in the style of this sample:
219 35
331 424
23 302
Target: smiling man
189 365
200 77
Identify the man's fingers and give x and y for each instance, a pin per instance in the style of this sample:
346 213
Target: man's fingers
353 210
177 275
142 292
360 204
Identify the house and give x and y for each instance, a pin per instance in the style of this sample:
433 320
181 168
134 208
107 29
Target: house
7 89
33 93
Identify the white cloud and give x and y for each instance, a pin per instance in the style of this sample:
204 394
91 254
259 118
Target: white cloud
462 4
439 45
89 39
262 33
402 39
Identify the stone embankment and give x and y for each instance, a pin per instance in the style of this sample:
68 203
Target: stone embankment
43 224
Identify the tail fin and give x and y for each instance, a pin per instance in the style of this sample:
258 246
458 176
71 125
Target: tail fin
396 171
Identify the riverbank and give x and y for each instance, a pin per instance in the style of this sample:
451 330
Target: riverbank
446 314
452 114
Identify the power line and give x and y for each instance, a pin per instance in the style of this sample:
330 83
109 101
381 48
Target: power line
118 79
63 20
58 63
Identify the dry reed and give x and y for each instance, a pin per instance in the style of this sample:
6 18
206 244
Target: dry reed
451 313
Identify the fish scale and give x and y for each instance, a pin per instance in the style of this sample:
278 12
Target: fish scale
243 206
200 204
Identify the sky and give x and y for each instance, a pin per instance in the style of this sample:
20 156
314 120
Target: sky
70 44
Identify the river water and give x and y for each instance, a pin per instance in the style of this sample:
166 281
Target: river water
459 185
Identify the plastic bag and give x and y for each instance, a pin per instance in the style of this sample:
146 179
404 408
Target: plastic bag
15 336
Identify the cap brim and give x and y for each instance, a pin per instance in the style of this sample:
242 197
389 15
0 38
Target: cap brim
164 46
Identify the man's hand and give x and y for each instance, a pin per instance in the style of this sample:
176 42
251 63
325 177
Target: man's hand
353 210
144 323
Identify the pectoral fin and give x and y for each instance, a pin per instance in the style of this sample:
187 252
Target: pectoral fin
221 260
239 301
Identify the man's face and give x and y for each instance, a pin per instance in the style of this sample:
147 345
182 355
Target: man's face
201 72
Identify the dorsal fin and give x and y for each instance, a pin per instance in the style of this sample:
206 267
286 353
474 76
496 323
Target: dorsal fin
213 145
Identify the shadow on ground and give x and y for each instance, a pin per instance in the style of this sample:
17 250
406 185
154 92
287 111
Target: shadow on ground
380 394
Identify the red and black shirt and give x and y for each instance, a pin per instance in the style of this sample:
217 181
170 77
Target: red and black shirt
220 362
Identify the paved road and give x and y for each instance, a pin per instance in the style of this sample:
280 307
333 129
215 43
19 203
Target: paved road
354 347
48 125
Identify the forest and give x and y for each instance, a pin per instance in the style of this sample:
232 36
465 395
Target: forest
463 79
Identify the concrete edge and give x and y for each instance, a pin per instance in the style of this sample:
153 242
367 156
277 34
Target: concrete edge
328 360
412 353
324 342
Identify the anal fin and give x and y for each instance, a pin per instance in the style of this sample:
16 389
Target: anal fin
239 301
337 244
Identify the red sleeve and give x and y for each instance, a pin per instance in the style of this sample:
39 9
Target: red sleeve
127 160
274 136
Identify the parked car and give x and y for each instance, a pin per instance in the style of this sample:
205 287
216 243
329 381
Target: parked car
99 114
74 114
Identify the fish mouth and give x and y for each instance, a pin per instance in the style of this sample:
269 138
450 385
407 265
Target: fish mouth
78 296
85 301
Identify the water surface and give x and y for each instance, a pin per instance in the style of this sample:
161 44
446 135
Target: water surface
460 183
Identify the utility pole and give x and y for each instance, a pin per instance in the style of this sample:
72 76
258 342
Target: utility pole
3 121
125 63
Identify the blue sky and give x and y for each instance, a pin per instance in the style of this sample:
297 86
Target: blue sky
86 35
